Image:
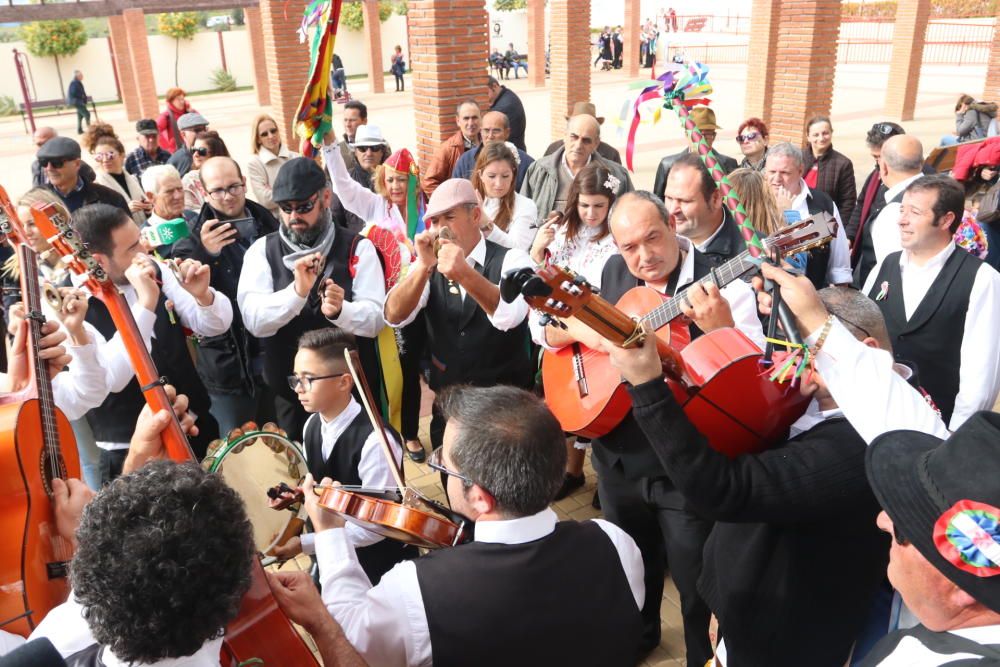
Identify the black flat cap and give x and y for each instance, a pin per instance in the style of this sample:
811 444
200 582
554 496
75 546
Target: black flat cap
298 180
146 126
59 148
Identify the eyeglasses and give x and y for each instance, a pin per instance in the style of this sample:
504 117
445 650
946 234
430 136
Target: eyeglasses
55 163
367 149
884 128
267 133
233 190
436 462
855 325
307 381
748 137
301 209
105 156
200 151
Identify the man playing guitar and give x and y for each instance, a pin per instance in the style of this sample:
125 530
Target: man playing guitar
635 491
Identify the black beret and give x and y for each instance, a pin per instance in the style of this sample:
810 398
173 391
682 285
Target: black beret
298 180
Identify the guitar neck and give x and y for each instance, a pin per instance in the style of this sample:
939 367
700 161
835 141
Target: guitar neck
174 439
31 293
721 276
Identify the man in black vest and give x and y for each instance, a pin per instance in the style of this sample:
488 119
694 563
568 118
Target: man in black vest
704 120
340 442
941 303
185 301
697 209
831 264
309 274
636 493
530 590
801 515
474 337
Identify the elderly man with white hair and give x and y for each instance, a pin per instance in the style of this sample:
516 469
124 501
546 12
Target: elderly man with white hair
162 185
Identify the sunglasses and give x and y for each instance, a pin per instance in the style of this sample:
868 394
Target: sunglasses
200 151
748 137
884 129
368 149
267 133
55 163
105 156
301 209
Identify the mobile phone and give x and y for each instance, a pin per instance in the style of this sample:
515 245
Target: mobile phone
246 228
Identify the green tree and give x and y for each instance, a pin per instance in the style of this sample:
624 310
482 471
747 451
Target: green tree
510 5
179 25
54 38
352 15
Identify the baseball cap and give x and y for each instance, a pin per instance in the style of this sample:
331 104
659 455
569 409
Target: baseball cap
146 126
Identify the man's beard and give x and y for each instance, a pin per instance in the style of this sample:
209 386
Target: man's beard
310 235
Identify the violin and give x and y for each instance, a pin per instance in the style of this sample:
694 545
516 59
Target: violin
402 513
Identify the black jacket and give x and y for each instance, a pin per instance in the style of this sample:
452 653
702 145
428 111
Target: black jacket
660 184
510 105
836 178
795 556
94 193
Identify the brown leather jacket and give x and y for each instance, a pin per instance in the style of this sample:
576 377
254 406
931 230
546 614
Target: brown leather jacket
441 165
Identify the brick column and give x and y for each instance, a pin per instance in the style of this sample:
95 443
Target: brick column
907 56
142 64
570 79
251 16
373 33
123 65
630 37
449 51
536 42
287 64
804 66
765 16
992 90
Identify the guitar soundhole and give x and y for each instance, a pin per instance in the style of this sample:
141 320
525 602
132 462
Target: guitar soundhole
50 469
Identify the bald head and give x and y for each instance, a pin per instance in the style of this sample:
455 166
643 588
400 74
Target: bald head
902 157
220 174
583 134
495 127
43 134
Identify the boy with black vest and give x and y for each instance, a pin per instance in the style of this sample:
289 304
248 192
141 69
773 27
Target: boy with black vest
340 442
307 275
185 301
941 304
474 337
530 590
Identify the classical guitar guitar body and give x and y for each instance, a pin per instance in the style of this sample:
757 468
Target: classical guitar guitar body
34 578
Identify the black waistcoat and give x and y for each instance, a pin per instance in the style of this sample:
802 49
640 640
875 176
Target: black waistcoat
114 419
626 442
465 347
279 350
867 260
932 338
520 604
342 466
819 258
728 243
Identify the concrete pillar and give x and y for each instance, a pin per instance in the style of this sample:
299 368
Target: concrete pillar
765 16
570 78
123 65
373 34
992 90
907 57
449 44
255 31
804 66
536 42
142 64
630 37
287 65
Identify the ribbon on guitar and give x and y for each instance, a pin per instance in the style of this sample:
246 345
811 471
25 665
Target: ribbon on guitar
314 117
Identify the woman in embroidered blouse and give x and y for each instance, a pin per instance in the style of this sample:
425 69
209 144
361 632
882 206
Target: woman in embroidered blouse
581 241
268 156
507 215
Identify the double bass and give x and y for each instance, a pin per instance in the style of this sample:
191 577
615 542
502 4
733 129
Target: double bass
261 634
36 445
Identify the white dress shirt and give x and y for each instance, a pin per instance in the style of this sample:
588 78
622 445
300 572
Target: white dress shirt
266 311
69 633
507 315
387 624
83 385
211 320
370 206
520 233
885 226
373 468
838 271
911 652
979 373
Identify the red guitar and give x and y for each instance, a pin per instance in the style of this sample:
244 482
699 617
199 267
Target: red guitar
718 379
261 634
36 445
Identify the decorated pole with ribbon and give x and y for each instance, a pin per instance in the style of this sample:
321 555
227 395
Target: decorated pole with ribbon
314 117
681 90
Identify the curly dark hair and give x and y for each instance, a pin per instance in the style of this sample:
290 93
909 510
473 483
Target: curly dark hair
163 561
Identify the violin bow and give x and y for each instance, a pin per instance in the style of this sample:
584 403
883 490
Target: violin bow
354 366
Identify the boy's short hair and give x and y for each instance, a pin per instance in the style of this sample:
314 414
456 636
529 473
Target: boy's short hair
328 342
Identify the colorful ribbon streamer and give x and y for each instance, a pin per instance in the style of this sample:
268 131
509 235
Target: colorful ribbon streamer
314 117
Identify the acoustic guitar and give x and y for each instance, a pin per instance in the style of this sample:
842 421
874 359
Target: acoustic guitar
36 445
261 634
720 379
